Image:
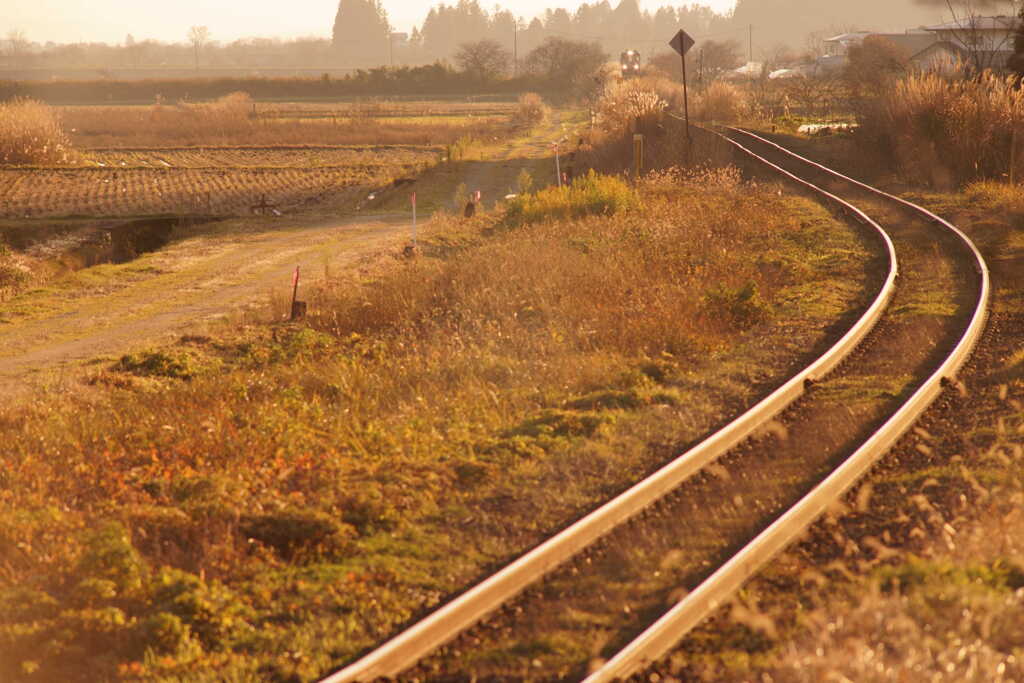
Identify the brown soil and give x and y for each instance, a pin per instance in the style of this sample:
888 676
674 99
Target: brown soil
47 335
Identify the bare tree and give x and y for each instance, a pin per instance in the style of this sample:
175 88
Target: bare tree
979 36
198 36
17 45
485 60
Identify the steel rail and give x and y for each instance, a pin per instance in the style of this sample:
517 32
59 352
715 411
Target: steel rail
659 638
408 647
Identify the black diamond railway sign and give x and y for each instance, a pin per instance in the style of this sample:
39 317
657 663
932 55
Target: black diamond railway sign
682 42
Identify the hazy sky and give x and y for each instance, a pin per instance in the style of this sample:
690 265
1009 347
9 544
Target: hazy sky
66 21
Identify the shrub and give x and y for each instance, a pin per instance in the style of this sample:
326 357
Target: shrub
157 364
944 131
31 133
738 306
531 110
626 101
722 102
587 195
13 275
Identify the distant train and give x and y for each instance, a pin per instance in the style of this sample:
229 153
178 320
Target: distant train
630 61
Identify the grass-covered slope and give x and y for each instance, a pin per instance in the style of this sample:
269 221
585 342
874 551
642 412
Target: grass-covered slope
268 503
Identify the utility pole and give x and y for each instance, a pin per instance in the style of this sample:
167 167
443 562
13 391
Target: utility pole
700 67
515 47
750 42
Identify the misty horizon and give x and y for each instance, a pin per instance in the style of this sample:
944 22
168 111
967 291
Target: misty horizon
63 22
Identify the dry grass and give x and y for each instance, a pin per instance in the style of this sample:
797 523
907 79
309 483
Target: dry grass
302 490
625 102
944 132
230 121
721 102
531 110
31 133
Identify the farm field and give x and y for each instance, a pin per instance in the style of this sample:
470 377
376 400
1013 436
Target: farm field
316 190
218 159
280 156
236 120
189 182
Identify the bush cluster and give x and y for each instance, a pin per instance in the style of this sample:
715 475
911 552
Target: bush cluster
531 110
944 131
587 195
31 133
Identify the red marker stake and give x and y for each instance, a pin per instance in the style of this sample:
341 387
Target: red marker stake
295 287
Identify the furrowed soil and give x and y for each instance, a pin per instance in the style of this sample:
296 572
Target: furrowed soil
210 270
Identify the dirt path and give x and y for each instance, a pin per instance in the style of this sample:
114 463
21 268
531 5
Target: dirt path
46 336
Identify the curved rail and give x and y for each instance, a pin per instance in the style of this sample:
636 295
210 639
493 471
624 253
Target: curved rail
442 625
661 636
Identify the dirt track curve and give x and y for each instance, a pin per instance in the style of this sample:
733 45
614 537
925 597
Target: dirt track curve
46 336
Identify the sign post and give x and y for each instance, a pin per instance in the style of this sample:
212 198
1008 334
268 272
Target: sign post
681 43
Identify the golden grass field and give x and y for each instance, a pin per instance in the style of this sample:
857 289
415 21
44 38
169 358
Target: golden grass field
266 502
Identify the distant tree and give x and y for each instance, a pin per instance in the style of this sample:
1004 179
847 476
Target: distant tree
361 33
874 62
719 56
570 64
17 45
198 36
981 47
484 60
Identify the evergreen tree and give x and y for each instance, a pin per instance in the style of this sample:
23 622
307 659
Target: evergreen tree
361 33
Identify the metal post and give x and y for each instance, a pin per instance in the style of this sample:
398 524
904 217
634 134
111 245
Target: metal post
515 47
686 109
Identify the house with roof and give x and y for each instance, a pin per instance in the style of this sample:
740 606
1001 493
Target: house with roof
837 48
978 42
973 42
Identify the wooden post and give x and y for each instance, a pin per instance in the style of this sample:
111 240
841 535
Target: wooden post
638 155
1013 155
298 307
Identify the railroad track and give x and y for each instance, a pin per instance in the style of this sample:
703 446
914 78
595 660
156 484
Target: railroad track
715 509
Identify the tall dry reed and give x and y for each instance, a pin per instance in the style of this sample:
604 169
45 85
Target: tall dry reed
721 102
624 102
942 131
31 133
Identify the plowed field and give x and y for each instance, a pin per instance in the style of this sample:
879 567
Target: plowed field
220 181
263 157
